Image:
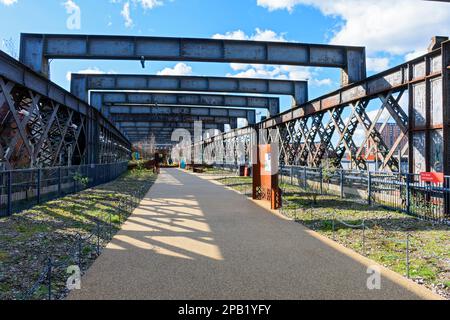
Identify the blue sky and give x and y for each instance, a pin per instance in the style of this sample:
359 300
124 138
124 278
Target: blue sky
392 31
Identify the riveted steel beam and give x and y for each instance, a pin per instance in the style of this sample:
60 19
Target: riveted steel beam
81 84
37 49
173 118
101 99
393 80
197 113
179 125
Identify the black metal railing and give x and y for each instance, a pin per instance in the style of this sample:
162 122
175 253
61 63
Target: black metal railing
22 189
399 191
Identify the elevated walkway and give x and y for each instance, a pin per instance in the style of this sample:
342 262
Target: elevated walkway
192 238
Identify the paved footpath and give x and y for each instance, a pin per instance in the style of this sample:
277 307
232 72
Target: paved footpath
191 238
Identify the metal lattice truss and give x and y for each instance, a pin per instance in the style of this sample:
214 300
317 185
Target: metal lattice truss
400 113
230 148
36 131
111 150
309 140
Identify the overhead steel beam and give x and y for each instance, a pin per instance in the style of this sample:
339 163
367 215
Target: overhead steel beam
392 80
81 84
37 49
158 138
159 141
101 99
180 125
152 112
160 132
119 118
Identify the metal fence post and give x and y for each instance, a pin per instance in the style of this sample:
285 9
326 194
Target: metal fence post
364 237
369 188
74 184
49 276
407 254
292 175
9 193
59 181
408 199
304 175
333 227
38 187
98 237
342 183
80 239
120 211
321 180
281 174
110 226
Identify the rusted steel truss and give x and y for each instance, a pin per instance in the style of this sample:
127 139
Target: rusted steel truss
36 131
413 98
39 131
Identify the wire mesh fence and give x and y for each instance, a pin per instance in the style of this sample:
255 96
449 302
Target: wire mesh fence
22 189
415 248
57 274
398 191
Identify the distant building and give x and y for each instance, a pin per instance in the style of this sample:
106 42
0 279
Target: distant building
390 134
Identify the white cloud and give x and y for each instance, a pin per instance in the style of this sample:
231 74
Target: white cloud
70 6
377 64
125 13
180 69
295 73
270 71
263 73
415 54
89 70
126 9
149 4
279 4
259 35
396 27
233 35
8 2
239 66
322 82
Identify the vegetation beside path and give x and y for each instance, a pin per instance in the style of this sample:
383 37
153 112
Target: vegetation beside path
52 229
385 232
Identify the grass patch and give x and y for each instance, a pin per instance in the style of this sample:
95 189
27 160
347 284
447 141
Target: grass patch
384 237
50 230
3 256
241 184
